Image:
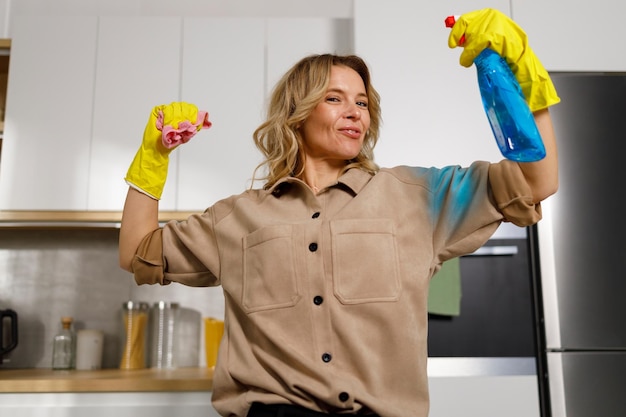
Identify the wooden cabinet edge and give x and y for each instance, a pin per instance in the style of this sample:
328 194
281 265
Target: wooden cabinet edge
77 218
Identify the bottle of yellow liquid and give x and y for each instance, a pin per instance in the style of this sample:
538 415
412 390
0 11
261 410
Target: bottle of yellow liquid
213 332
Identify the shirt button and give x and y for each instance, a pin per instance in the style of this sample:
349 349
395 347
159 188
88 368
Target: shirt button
313 247
344 396
316 215
327 357
318 299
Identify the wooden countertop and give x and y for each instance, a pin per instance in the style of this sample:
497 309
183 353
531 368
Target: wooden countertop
106 380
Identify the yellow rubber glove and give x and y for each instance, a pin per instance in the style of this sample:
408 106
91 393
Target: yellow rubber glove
169 125
489 28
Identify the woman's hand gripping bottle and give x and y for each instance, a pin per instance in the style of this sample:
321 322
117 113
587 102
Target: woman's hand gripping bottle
510 117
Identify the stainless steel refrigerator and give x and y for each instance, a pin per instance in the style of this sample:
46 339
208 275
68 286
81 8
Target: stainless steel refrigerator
581 246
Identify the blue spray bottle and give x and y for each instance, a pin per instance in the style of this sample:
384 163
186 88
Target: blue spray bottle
511 120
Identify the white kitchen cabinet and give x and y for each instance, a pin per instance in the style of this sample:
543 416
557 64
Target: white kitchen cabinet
575 35
514 396
119 404
431 106
486 387
231 76
289 40
223 73
485 396
80 94
5 8
48 123
138 62
139 67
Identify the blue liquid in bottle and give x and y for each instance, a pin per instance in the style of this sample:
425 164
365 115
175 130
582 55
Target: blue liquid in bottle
511 120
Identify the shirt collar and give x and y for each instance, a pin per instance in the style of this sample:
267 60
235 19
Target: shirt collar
355 179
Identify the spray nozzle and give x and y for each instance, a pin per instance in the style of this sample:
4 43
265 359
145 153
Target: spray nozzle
450 21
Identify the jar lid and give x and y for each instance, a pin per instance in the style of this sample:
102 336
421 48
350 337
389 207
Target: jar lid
135 305
164 305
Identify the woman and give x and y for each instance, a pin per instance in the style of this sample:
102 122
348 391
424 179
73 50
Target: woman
325 270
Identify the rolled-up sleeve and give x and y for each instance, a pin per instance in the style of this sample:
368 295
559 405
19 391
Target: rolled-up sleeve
182 252
512 194
148 265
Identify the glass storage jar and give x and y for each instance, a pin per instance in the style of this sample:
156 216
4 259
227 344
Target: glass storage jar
135 317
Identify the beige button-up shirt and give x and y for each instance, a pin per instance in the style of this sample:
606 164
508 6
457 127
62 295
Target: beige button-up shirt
326 295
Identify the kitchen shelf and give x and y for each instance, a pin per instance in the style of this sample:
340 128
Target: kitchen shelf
18 218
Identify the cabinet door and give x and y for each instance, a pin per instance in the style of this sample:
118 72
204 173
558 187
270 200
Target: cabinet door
574 36
432 111
484 395
289 40
5 11
139 61
46 147
223 73
232 77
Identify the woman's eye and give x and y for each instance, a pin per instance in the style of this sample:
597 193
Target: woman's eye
333 99
362 104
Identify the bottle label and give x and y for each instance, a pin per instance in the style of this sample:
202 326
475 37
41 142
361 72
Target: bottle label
495 126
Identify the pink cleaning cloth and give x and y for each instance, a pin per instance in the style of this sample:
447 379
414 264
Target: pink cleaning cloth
172 137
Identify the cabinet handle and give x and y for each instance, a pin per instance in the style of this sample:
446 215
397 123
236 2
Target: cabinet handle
494 251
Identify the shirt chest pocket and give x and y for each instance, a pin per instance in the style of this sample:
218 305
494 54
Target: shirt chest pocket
365 261
269 276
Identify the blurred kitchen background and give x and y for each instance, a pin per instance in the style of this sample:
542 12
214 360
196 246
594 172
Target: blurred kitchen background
46 274
65 149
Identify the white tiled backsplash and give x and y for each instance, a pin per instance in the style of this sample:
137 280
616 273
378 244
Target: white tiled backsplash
49 273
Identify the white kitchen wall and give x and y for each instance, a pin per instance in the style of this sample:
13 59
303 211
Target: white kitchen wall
581 36
46 274
432 111
187 8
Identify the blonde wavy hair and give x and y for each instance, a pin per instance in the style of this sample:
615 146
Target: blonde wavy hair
295 96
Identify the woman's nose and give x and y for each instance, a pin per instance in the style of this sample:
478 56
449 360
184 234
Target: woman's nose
353 112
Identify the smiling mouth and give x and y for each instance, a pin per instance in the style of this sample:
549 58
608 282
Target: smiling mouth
353 133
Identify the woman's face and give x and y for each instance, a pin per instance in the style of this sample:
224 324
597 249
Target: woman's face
335 130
